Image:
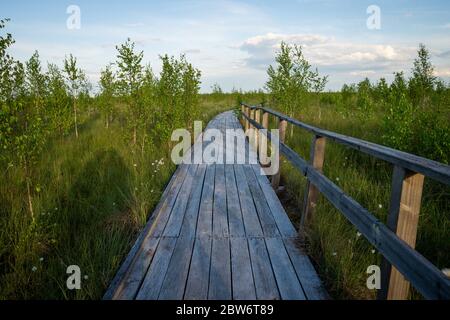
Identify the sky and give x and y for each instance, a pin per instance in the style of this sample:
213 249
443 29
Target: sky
234 42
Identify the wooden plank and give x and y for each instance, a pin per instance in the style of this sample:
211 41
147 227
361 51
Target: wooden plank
249 215
256 135
188 229
265 216
310 281
204 226
154 278
281 218
175 221
175 280
220 273
241 270
265 284
263 142
317 157
161 219
220 219
198 278
287 281
405 222
282 133
235 221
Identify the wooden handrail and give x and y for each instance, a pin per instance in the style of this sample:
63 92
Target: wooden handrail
394 241
432 169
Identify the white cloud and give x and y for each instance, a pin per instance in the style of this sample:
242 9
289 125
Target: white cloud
362 73
443 72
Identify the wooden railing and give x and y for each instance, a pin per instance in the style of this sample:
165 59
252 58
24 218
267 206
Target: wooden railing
395 240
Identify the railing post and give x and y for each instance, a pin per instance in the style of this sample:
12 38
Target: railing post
243 112
256 133
316 159
403 219
250 126
263 147
282 134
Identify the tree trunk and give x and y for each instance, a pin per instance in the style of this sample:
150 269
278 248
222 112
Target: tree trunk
75 117
292 127
143 144
30 200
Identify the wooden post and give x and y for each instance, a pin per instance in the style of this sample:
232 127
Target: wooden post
282 134
247 113
256 133
316 159
263 146
251 136
243 111
403 219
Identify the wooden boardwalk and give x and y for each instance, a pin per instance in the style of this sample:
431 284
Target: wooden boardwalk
218 232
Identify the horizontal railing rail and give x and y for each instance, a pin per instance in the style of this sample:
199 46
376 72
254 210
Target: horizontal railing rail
396 240
432 169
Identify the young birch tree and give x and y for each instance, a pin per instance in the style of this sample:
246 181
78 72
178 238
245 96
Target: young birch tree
130 77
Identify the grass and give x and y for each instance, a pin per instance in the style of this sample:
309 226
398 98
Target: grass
340 253
92 195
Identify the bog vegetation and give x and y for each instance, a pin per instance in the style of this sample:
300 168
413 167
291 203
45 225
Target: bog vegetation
80 172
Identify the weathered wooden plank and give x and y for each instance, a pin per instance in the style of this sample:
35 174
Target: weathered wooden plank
249 215
311 284
198 278
279 214
282 124
161 219
241 270
204 226
175 221
220 273
265 284
265 216
317 157
287 281
189 226
154 278
235 221
405 222
220 219
175 280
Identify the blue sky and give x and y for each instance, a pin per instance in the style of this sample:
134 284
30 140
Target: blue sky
233 42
